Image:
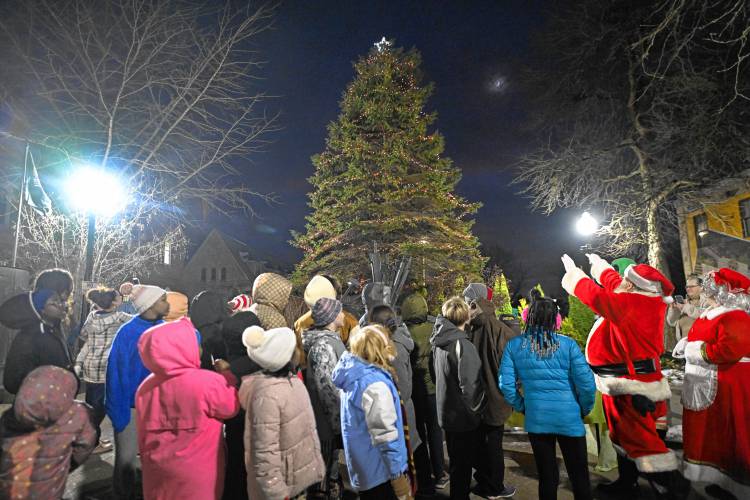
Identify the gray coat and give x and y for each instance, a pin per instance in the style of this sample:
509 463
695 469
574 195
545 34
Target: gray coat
323 350
459 389
404 346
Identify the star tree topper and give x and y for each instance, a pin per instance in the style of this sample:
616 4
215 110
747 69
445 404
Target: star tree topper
383 44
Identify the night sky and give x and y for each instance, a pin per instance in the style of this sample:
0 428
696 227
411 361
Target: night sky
471 54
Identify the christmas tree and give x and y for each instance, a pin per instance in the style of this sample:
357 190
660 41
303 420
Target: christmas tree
503 295
382 178
579 321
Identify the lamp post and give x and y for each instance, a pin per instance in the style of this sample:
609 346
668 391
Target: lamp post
587 224
93 191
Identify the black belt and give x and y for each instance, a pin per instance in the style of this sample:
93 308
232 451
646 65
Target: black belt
642 366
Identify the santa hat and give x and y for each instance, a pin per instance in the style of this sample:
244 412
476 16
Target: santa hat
240 303
318 288
144 296
271 349
729 288
650 279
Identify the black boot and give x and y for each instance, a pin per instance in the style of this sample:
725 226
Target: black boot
627 480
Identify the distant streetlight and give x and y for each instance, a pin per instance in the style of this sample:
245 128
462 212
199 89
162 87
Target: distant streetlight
95 192
587 224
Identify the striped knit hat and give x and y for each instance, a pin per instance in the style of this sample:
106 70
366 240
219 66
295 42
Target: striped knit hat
325 311
240 303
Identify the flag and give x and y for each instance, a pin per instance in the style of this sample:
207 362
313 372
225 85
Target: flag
35 196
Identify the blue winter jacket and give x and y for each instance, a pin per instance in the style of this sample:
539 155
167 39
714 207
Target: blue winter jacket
371 423
558 391
125 371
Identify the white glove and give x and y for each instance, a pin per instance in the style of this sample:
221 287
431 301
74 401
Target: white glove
593 258
693 353
78 369
679 350
568 263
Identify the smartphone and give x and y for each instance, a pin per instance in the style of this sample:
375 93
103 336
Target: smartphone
679 299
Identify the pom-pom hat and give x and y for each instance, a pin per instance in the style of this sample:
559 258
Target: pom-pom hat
271 349
649 279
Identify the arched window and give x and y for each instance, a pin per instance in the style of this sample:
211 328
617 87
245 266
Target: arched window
223 274
213 274
203 275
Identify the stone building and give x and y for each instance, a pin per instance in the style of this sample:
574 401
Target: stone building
221 264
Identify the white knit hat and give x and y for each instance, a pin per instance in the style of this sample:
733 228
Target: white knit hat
144 296
318 288
271 349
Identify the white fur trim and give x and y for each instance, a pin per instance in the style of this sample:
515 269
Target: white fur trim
717 311
640 281
667 300
598 267
693 353
594 327
708 474
661 462
619 386
571 279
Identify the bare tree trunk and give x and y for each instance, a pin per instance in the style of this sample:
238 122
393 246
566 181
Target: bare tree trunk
653 236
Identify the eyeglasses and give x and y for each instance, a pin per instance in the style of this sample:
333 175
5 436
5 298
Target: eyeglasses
693 286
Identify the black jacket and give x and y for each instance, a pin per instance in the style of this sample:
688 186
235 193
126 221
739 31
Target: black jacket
208 311
459 389
36 344
489 336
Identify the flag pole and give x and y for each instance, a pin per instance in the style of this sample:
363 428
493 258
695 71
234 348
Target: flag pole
20 203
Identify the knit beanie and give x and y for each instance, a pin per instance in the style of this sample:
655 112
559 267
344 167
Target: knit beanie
271 349
144 296
325 311
476 291
240 303
318 287
40 297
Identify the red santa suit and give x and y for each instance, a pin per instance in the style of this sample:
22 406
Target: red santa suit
623 349
716 391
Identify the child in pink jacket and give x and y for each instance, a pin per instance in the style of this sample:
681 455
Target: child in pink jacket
180 411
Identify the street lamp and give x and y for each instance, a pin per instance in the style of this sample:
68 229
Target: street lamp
587 224
94 191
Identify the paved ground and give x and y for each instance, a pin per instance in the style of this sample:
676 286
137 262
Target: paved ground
92 480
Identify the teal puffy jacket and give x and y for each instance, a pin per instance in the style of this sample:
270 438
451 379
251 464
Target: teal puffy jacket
558 391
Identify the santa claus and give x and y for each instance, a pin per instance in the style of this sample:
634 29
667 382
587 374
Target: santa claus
716 390
623 349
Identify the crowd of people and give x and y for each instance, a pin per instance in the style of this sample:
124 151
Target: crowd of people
259 398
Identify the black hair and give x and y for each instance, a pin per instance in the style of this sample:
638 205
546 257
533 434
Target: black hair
56 279
102 297
231 333
334 282
384 315
542 311
539 331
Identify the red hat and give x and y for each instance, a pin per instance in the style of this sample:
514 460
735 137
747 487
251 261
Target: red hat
240 303
734 281
649 278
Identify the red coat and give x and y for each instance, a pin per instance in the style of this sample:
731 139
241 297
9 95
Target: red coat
630 328
717 438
